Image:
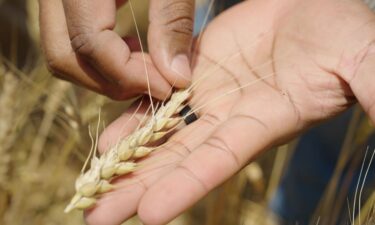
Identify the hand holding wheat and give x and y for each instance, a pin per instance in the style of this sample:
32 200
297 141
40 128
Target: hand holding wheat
264 72
81 46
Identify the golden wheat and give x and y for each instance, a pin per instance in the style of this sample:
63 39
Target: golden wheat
120 159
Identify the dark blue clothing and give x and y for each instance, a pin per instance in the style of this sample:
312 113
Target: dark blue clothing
310 170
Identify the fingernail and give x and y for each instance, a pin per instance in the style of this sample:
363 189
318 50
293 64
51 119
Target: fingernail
181 65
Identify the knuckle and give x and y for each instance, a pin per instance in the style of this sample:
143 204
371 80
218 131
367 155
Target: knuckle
182 26
179 17
56 65
83 43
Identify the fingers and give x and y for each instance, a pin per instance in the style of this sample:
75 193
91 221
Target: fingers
90 25
81 47
224 152
100 59
209 165
170 38
115 207
130 189
56 45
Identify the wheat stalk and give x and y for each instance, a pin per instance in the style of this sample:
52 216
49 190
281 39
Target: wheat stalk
7 96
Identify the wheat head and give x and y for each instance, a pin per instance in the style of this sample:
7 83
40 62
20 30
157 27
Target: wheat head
121 158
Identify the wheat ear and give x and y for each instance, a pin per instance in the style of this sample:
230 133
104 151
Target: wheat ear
120 159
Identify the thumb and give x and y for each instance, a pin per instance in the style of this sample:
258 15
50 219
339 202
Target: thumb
170 38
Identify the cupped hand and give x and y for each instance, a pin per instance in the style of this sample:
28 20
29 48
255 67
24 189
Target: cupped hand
80 46
264 72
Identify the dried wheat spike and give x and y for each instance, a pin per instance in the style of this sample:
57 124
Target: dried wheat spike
119 160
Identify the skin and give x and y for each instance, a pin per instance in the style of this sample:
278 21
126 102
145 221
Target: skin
80 46
315 58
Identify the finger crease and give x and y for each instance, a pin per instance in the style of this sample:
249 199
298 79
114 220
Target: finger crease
187 19
210 119
219 144
252 118
193 176
183 148
142 184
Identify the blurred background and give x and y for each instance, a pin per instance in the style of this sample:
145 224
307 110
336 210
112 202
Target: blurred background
44 142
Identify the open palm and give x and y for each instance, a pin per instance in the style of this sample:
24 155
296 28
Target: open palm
264 71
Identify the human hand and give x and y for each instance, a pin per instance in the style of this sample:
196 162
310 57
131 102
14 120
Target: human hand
264 72
80 46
